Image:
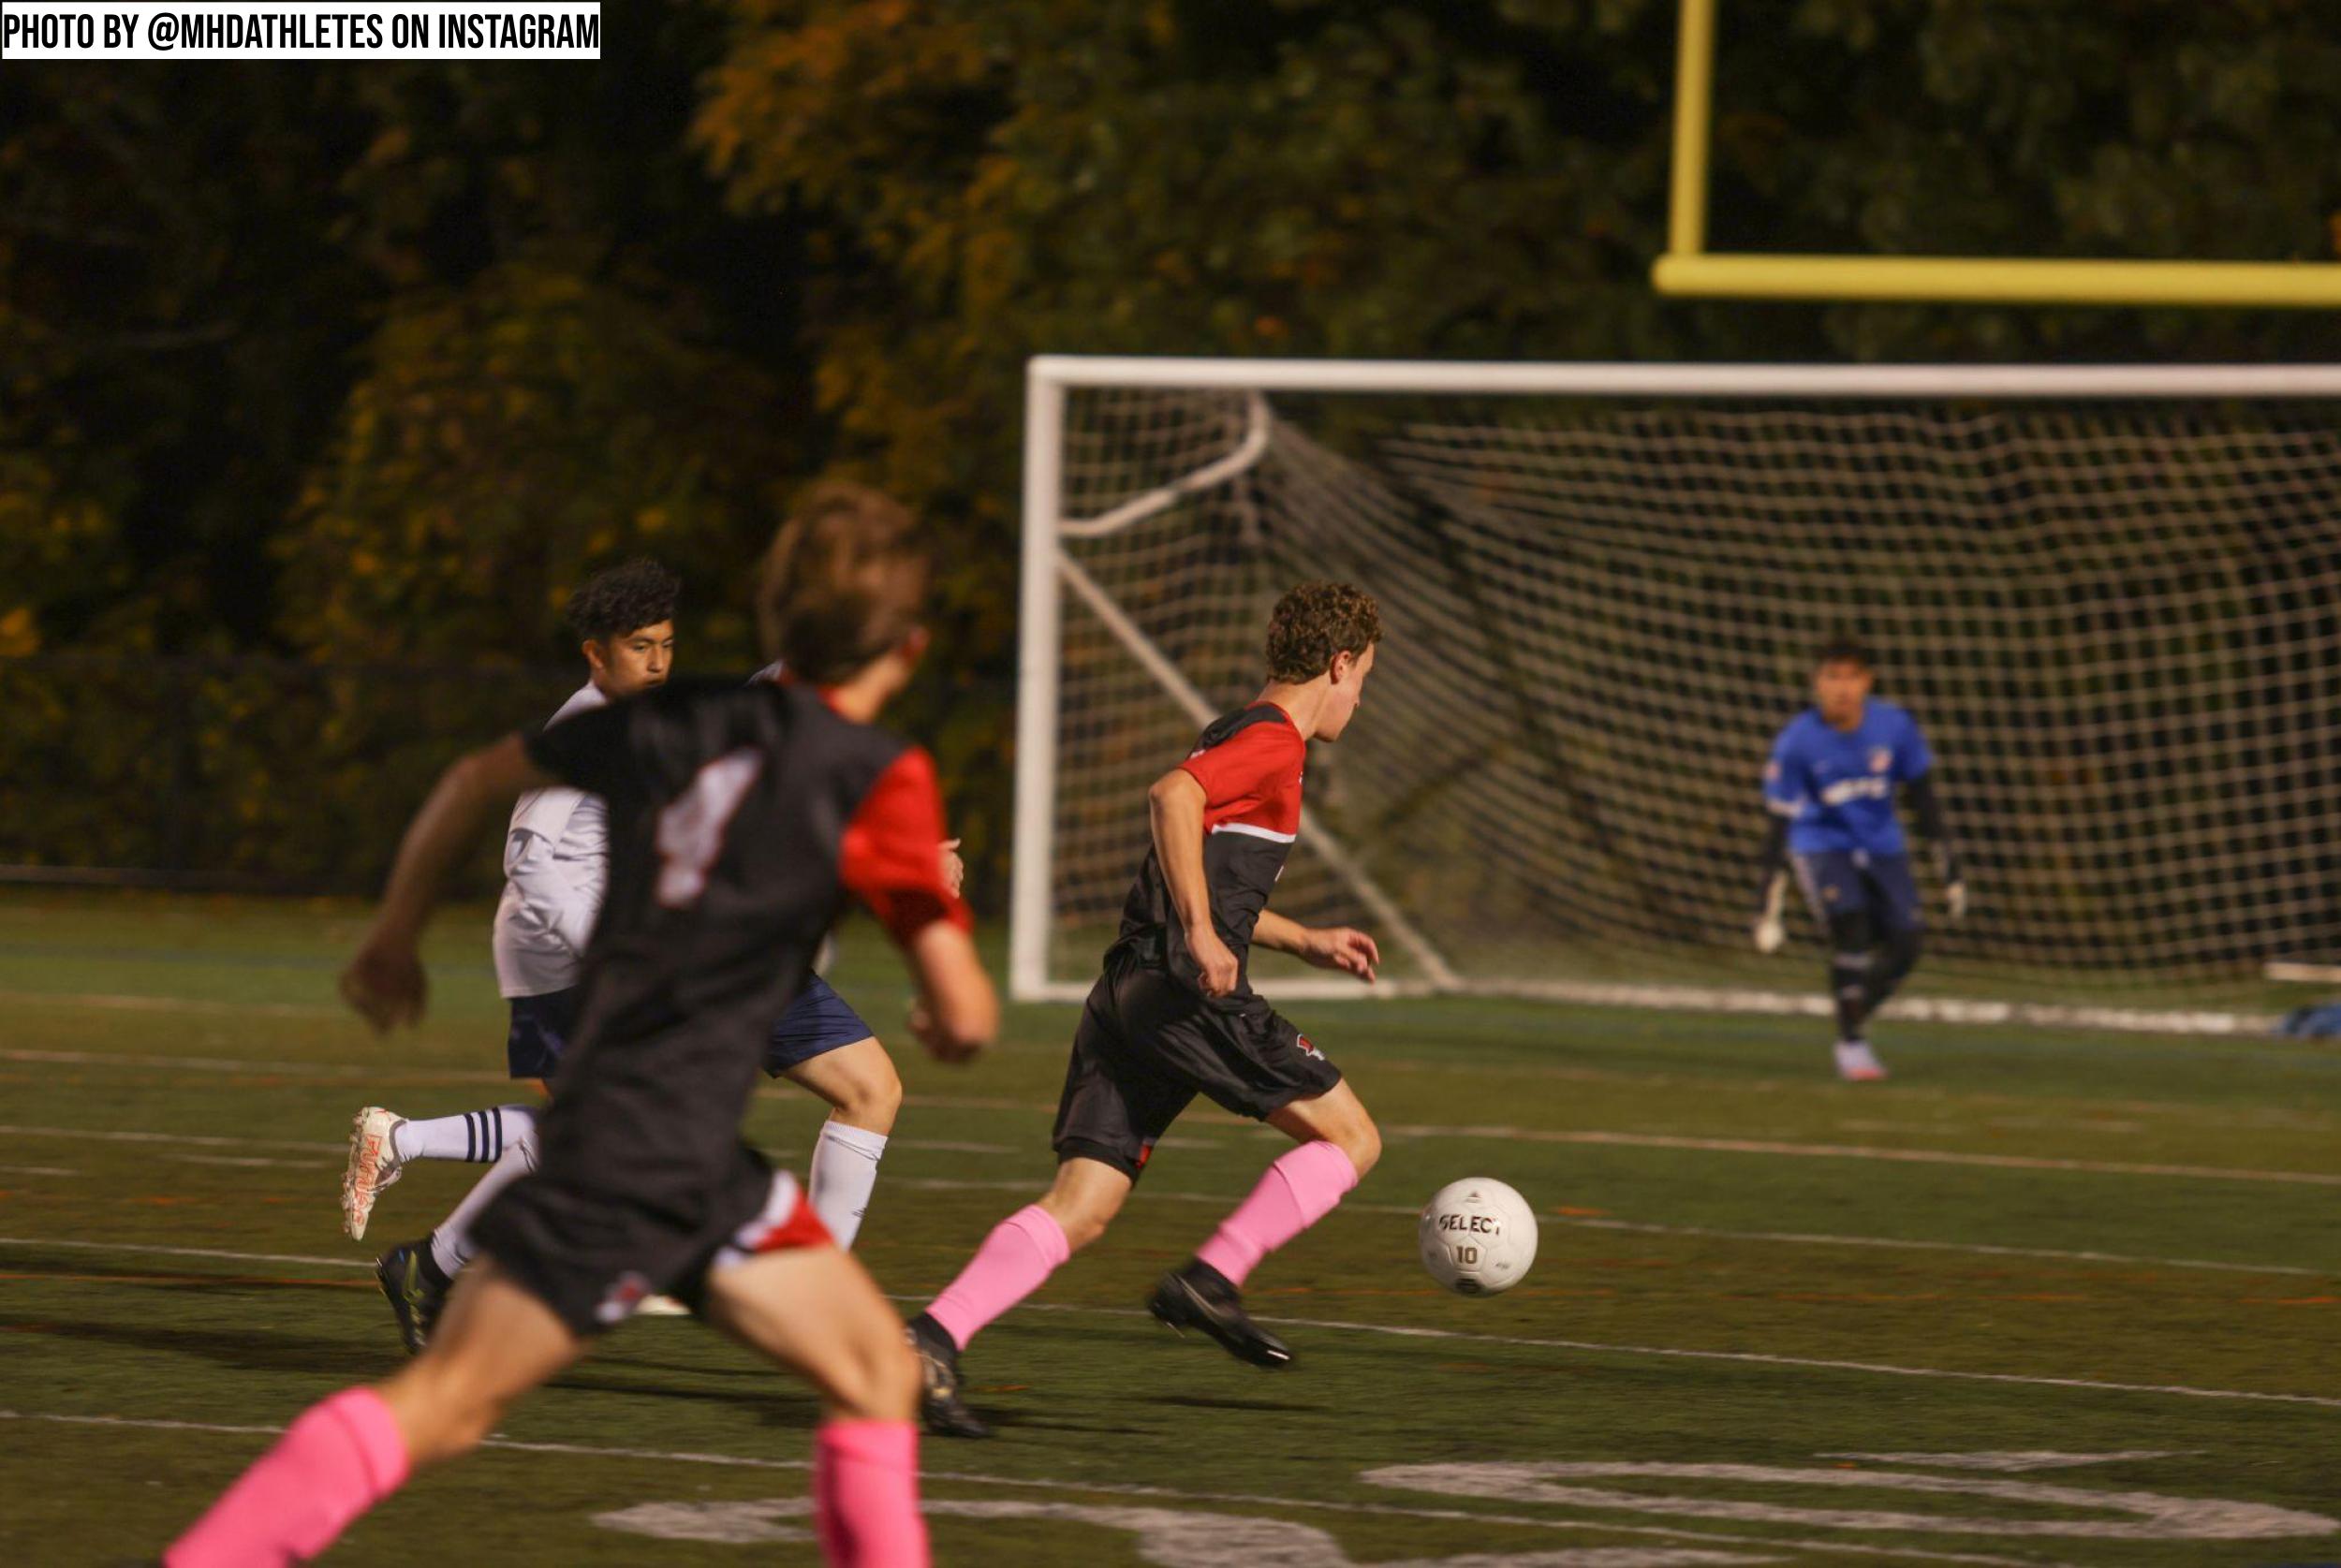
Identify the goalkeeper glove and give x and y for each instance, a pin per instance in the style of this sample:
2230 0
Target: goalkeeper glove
1771 932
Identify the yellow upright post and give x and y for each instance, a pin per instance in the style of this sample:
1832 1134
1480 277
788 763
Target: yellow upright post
1694 92
1689 269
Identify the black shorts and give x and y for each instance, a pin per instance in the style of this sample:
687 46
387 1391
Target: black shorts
541 1027
1147 1045
592 1250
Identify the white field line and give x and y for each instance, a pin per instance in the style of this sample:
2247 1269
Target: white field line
1457 1334
2196 1115
1747 1357
387 1068
1903 1091
1592 1137
189 1252
1864 1151
939 1184
133 1003
1102 1489
1976 1248
947 1184
201 1139
946 1147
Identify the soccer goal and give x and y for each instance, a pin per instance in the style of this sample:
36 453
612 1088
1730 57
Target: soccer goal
2110 593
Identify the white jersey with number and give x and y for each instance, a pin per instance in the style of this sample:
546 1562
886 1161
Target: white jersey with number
556 861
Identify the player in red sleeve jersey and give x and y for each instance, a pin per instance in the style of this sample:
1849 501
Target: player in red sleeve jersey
739 820
1174 1016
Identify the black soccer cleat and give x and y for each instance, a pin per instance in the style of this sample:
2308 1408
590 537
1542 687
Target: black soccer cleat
1199 1297
416 1289
940 1408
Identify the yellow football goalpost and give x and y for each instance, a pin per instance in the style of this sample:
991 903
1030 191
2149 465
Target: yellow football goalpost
1687 268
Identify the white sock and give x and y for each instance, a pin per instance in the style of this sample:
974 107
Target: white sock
479 1136
844 1169
451 1244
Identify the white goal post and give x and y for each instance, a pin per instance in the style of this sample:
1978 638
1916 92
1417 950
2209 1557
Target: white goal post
2106 590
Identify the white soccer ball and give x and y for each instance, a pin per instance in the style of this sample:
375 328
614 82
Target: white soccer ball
1479 1237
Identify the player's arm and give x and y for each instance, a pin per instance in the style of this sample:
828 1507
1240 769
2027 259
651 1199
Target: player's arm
1928 803
1783 798
1772 880
384 982
958 1012
1914 762
893 859
1174 809
1341 947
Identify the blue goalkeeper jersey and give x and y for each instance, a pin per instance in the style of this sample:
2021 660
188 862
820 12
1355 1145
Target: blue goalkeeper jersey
1836 787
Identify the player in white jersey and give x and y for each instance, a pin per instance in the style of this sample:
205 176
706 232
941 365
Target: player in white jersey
555 860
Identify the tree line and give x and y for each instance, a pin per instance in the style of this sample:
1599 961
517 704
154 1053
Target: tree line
363 367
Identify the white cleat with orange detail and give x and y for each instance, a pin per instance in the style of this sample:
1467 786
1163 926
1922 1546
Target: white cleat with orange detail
374 1165
1858 1063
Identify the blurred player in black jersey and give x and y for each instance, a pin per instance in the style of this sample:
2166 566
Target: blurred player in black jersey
1174 1016
740 819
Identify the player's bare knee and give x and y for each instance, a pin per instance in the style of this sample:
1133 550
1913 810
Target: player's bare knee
1363 1143
1083 1215
878 1377
872 1099
1081 1222
883 1100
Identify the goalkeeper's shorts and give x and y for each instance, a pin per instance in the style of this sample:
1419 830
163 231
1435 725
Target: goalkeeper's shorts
1841 882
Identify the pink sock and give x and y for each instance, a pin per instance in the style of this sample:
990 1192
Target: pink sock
1295 1193
866 1495
341 1458
1021 1252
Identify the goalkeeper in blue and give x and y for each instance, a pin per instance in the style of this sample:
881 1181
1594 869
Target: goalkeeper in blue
1830 788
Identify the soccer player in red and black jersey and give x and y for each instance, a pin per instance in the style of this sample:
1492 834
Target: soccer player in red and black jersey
740 819
1174 1016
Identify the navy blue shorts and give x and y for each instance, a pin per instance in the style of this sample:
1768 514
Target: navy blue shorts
819 1021
1855 882
541 1026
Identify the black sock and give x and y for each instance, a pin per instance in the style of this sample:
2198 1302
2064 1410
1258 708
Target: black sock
1848 984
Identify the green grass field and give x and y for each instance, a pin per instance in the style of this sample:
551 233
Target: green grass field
2045 1297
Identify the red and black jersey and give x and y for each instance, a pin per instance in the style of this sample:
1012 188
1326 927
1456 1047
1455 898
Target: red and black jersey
1249 764
740 819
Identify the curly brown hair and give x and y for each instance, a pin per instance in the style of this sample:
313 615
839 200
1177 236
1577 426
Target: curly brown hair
844 582
622 599
1316 620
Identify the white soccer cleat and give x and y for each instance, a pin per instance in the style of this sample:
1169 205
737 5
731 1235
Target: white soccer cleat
1858 1063
374 1165
661 1306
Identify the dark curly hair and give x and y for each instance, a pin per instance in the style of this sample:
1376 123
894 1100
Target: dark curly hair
622 599
1316 620
1846 647
844 582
